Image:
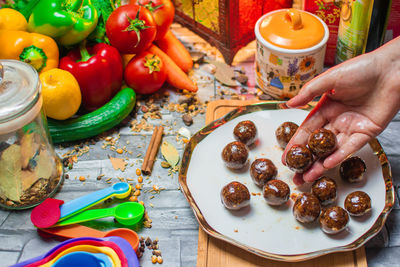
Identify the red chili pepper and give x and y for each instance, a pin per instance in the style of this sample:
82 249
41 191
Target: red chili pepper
98 70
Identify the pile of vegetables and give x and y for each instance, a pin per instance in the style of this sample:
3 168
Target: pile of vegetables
106 46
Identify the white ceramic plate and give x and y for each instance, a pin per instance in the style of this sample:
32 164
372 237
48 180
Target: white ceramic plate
262 229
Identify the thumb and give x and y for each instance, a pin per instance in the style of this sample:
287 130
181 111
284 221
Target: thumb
316 87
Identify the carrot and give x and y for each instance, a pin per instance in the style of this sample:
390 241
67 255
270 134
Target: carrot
175 50
175 76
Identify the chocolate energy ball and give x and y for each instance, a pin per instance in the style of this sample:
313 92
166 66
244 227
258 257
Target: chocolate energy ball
352 169
306 208
245 132
262 170
299 158
235 155
322 142
357 203
333 220
285 132
235 196
276 192
325 190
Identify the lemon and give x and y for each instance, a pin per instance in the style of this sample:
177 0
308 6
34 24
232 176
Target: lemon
61 94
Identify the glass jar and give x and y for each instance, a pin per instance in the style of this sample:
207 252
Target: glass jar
30 170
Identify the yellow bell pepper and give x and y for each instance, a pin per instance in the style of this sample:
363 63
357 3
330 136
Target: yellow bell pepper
36 49
11 19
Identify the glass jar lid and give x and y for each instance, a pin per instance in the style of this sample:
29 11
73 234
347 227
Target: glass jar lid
19 89
292 29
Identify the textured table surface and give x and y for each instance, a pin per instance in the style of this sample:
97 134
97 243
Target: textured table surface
173 222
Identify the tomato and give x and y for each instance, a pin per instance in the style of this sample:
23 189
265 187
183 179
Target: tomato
163 12
145 73
131 29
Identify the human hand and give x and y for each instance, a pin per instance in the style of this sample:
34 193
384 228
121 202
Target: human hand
360 97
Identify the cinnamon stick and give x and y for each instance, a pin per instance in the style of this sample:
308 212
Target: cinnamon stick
152 150
147 156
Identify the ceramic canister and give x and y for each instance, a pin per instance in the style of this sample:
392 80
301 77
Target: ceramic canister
291 47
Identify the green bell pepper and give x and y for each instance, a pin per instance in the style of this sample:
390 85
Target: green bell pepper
67 21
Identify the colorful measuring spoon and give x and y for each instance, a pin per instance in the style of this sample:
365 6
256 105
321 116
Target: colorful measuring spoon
47 213
45 216
128 213
77 230
83 259
119 245
109 252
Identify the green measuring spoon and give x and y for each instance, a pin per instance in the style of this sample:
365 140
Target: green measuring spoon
128 213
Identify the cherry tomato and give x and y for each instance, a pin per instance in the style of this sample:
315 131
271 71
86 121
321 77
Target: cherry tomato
163 12
131 29
145 73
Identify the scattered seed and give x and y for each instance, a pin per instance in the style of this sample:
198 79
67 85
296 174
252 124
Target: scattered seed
148 241
154 259
140 179
187 119
138 186
159 259
66 176
165 164
120 151
133 198
138 172
141 202
137 193
82 178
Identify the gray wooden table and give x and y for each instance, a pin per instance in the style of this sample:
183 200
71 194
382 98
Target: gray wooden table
173 222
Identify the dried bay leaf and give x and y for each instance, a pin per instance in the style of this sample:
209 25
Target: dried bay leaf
29 148
45 165
118 163
28 178
224 73
10 173
170 153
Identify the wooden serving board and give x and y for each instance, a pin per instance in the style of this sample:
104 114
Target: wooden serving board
213 252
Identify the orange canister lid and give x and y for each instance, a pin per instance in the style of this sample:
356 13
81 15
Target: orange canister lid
292 29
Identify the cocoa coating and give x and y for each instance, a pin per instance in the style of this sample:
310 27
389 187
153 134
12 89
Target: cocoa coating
235 196
322 142
352 169
299 158
262 170
357 203
285 132
333 220
245 132
325 190
235 155
306 208
276 192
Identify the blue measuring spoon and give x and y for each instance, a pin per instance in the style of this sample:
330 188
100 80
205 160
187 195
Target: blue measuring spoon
118 190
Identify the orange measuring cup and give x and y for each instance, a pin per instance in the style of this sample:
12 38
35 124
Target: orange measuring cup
77 230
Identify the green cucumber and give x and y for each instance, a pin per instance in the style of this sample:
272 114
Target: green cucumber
96 122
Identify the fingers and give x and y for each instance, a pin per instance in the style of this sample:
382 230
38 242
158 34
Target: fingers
316 87
316 171
298 179
312 174
353 143
314 121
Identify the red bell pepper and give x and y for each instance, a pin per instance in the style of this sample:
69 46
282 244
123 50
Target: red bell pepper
98 70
